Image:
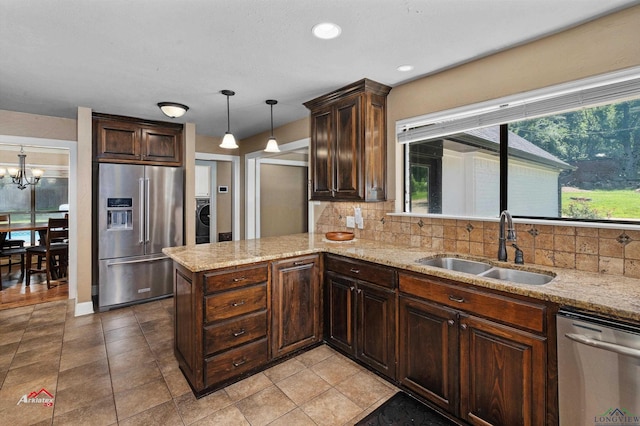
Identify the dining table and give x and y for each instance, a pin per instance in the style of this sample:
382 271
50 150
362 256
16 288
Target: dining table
40 227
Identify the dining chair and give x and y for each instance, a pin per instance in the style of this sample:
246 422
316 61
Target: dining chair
10 247
54 250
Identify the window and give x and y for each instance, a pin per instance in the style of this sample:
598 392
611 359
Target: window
578 158
48 198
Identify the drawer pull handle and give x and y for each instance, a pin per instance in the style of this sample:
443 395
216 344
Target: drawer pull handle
239 363
239 333
299 263
456 298
355 271
240 303
237 280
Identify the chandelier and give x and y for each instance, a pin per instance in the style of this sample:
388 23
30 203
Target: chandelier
19 174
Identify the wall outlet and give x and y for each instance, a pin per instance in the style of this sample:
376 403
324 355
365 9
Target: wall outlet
351 222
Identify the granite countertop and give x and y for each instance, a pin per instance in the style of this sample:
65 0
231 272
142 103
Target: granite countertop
610 295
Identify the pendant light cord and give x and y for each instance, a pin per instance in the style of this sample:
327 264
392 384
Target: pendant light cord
228 119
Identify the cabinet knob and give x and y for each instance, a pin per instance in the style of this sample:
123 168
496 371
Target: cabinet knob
240 303
352 288
359 291
464 326
239 333
451 322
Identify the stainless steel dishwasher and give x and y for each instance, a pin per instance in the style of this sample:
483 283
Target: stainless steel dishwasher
598 371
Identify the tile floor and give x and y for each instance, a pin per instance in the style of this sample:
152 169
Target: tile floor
118 368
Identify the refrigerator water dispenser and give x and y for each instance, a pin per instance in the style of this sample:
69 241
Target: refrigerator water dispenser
119 214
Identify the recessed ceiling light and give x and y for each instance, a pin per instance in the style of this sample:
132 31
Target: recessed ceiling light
326 30
405 68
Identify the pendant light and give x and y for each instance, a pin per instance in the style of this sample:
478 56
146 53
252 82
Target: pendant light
272 144
228 141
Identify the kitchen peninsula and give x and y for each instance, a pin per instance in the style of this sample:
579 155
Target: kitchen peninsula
242 306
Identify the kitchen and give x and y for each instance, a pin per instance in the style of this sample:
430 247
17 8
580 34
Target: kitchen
445 90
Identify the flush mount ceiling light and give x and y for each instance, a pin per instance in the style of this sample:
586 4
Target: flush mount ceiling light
326 30
173 109
405 68
228 141
272 144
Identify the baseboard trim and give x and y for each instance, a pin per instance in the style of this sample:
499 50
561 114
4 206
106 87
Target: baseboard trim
84 308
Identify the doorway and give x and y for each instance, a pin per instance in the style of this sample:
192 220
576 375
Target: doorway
277 198
218 181
58 159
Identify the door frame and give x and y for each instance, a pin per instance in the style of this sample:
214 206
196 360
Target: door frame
253 160
72 148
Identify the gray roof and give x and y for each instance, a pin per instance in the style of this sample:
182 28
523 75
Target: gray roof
520 147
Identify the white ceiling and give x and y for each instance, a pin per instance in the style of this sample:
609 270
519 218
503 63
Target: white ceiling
124 56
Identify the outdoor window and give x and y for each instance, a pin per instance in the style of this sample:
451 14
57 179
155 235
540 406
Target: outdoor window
577 159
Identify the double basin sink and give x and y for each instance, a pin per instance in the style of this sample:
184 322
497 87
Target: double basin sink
485 269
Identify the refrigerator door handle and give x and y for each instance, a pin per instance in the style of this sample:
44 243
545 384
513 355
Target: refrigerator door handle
146 210
128 262
141 210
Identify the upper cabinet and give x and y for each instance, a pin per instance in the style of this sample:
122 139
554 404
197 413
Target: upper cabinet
349 143
119 139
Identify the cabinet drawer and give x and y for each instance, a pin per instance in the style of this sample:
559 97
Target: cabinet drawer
235 302
380 275
228 279
235 362
515 312
232 333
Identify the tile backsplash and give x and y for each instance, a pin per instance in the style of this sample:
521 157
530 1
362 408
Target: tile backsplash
604 250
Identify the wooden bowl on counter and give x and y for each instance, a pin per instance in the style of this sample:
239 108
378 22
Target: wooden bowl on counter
339 236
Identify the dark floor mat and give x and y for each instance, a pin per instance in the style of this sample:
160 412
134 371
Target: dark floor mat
402 409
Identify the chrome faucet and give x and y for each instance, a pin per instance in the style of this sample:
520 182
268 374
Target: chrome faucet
510 234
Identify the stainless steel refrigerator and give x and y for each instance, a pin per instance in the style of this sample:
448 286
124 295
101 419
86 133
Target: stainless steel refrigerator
140 211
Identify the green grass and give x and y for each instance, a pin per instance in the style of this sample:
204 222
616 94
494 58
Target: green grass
620 204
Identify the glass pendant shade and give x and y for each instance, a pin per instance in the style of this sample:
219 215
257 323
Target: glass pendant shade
228 141
272 145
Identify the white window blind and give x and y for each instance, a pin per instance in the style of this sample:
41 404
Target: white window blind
591 92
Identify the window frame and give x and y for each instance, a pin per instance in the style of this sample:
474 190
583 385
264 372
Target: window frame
600 90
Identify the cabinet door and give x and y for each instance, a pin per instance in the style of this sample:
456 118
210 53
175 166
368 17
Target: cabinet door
161 145
321 154
376 328
428 348
348 149
339 312
117 141
375 149
502 374
295 320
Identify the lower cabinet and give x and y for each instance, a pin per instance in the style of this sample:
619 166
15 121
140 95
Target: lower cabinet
463 357
295 304
360 315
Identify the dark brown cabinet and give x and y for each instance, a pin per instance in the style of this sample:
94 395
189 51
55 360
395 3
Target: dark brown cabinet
480 356
360 311
128 140
348 143
221 323
296 304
